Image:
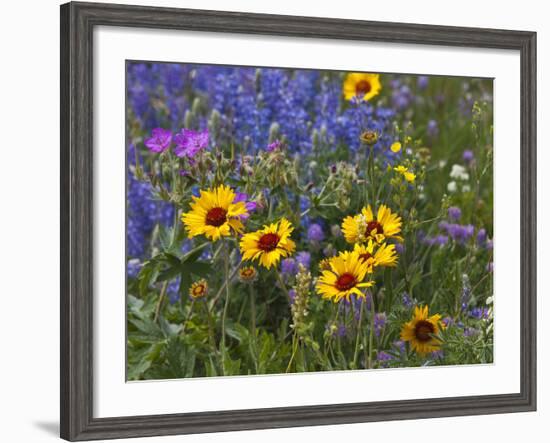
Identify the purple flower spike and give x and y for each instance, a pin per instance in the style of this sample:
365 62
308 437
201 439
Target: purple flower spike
291 296
379 323
454 213
304 258
160 140
189 143
315 233
481 237
289 266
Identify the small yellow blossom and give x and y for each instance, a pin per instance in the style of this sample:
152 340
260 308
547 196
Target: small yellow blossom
395 147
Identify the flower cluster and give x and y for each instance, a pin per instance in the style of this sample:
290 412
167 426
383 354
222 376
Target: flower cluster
287 220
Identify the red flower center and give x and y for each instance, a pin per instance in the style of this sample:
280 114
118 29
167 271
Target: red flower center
424 330
371 226
216 217
268 242
345 281
363 87
365 256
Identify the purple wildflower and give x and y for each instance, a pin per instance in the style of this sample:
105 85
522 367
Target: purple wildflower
160 140
459 233
189 142
276 144
379 323
438 240
422 82
432 128
399 345
470 332
468 156
289 266
304 258
315 233
437 354
479 313
400 248
481 237
338 331
249 205
133 266
291 295
384 358
454 213
407 300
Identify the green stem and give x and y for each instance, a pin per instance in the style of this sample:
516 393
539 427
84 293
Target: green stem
187 318
294 350
224 285
226 305
371 333
371 174
252 311
160 300
282 283
357 336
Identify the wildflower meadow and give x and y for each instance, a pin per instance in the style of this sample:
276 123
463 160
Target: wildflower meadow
288 220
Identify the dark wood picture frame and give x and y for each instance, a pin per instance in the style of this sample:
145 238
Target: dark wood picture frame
77 23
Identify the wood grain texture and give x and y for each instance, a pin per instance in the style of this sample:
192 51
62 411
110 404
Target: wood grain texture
77 23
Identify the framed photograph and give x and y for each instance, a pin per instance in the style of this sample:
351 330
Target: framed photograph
273 221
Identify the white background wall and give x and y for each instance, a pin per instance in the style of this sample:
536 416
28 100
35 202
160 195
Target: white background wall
29 228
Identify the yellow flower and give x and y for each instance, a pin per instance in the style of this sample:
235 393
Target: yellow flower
395 147
248 274
362 85
198 289
409 176
364 226
269 244
344 278
214 214
422 331
385 255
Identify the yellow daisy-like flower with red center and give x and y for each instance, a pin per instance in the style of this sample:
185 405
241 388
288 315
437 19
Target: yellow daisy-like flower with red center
345 277
383 255
214 214
421 332
248 274
269 244
365 226
198 289
362 85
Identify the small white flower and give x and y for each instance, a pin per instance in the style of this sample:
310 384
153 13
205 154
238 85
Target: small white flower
459 172
442 164
489 300
466 188
451 187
